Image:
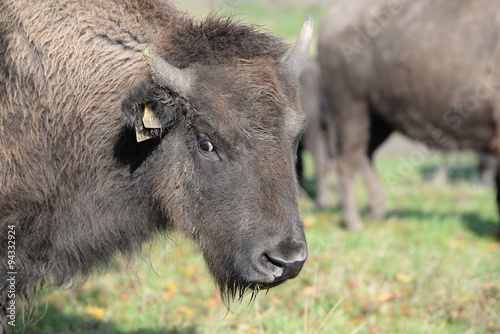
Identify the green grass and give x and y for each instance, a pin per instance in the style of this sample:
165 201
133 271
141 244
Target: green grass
430 267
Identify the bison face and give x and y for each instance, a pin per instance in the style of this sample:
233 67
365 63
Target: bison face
220 165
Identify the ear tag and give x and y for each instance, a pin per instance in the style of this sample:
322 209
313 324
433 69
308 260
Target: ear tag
149 120
140 137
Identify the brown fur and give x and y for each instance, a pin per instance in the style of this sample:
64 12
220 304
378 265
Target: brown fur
77 186
426 68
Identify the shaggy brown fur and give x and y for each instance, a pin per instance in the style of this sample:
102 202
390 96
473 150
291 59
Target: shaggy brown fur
427 68
76 186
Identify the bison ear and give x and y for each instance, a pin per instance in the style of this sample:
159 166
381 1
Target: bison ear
146 112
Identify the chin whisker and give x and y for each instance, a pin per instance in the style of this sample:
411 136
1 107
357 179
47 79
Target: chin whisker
237 292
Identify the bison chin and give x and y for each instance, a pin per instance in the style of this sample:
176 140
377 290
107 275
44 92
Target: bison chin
235 288
240 269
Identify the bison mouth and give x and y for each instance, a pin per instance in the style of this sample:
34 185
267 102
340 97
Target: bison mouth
237 290
267 286
261 270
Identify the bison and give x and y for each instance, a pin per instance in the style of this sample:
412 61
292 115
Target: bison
319 136
426 68
123 119
315 138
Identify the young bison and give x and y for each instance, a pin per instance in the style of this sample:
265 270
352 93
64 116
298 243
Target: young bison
123 119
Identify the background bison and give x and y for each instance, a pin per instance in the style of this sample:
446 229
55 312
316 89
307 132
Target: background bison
315 138
96 157
426 68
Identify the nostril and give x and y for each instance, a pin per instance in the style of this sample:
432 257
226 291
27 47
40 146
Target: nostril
282 269
274 265
274 262
282 261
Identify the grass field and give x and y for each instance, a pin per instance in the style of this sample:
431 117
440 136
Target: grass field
432 266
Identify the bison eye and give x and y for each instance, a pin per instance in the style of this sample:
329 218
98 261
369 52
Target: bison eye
206 146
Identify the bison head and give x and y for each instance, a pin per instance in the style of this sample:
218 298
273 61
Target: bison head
216 150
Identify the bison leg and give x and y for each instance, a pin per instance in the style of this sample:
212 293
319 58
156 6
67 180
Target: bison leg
361 132
321 163
345 175
379 132
351 122
377 199
315 141
376 194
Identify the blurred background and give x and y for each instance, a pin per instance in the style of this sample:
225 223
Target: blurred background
431 266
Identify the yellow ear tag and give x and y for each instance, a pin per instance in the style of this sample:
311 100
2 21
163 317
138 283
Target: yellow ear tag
149 119
140 136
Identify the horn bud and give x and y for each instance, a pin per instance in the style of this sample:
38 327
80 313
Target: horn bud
167 75
297 57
